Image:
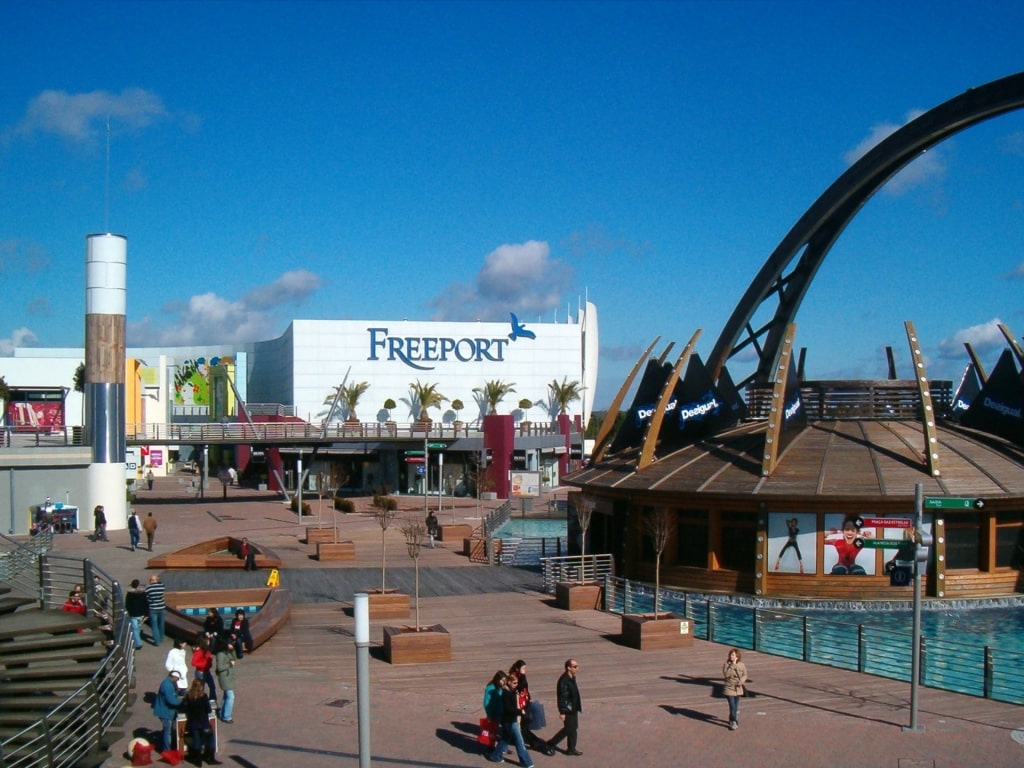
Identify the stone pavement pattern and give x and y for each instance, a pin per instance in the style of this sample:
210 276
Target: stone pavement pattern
295 701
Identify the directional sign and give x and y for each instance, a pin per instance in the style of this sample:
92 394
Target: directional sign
414 453
952 502
884 522
883 543
437 446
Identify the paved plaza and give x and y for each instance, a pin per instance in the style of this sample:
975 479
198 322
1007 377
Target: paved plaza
295 700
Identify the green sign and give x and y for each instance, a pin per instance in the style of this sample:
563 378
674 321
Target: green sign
883 543
437 446
952 502
414 453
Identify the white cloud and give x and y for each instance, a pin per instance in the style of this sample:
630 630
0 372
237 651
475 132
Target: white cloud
207 318
927 167
520 278
20 337
292 286
983 338
79 117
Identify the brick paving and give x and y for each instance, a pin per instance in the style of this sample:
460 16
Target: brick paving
295 702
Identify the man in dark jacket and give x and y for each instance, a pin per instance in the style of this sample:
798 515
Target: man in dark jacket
137 606
569 707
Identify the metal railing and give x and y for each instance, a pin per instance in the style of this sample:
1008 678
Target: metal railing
74 731
974 669
576 568
279 431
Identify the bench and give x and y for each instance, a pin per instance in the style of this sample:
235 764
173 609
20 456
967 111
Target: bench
221 552
454 532
340 551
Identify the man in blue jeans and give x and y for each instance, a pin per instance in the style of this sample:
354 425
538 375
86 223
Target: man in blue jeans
137 606
166 706
155 600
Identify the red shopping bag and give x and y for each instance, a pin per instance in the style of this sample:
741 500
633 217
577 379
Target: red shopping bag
488 732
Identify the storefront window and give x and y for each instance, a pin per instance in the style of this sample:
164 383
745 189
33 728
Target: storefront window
692 538
963 542
739 541
1010 540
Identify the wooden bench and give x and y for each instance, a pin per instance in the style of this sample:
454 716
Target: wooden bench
275 607
340 551
221 552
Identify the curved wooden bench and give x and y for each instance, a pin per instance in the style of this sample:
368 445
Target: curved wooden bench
276 607
221 552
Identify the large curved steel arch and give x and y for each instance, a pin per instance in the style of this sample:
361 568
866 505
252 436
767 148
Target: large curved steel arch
817 230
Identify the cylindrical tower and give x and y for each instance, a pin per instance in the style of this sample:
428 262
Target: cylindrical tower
106 266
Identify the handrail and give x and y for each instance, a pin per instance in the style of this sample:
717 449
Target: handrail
576 568
974 669
75 731
19 562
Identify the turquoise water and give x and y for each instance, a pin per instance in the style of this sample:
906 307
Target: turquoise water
998 627
227 611
532 528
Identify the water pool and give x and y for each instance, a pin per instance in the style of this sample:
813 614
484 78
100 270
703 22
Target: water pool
532 528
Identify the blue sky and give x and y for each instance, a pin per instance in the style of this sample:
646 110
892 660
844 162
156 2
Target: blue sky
271 161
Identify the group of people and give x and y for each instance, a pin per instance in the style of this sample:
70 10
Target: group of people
509 703
136 527
214 652
146 604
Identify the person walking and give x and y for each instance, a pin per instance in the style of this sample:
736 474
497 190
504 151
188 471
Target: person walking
137 606
532 740
432 528
149 526
99 519
734 672
155 597
165 706
134 529
149 479
224 668
197 722
570 705
510 730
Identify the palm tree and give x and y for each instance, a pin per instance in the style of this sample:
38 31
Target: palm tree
426 396
350 395
564 393
494 392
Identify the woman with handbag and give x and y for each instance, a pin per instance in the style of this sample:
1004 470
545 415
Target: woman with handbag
735 674
532 709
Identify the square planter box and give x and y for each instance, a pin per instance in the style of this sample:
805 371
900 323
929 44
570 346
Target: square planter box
316 535
641 631
404 645
343 550
391 604
574 596
454 532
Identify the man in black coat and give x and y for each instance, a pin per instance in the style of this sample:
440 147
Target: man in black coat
569 707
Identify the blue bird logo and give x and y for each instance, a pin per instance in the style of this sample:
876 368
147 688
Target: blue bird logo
519 329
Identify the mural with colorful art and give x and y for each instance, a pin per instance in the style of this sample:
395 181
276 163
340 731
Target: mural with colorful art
192 383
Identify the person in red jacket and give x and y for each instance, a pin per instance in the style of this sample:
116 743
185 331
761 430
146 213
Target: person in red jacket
202 663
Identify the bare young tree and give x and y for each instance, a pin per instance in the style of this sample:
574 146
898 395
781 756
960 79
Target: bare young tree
384 510
658 527
584 511
415 535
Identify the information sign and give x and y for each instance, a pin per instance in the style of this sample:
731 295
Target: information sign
952 502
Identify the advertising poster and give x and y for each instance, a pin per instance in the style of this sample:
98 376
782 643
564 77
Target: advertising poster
841 555
792 542
524 484
900 528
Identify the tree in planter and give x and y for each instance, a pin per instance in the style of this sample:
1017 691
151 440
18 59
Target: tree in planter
425 396
563 394
658 527
389 406
525 405
415 536
457 406
350 395
384 510
493 392
584 511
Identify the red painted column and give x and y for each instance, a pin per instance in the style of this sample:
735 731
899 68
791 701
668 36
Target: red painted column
500 439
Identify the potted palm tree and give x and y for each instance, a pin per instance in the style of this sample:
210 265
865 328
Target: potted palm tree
350 395
493 392
565 393
416 644
644 631
386 603
424 397
584 592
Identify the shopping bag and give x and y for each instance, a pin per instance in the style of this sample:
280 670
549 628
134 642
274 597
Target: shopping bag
535 718
488 732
